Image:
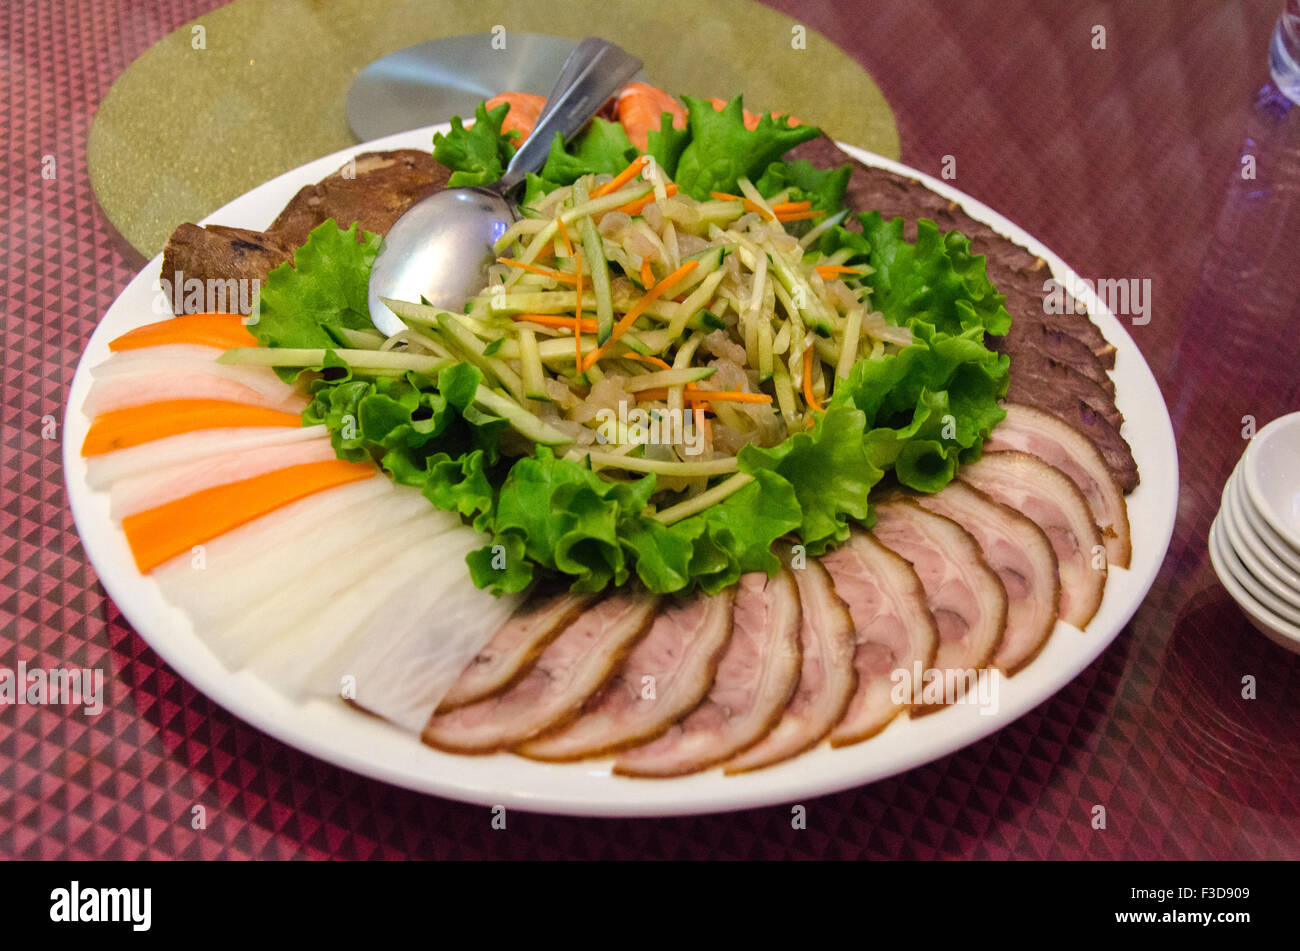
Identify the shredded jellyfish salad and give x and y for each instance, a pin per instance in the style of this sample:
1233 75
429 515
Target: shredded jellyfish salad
646 331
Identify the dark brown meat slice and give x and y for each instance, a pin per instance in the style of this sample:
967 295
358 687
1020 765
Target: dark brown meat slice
374 193
1030 334
575 665
755 680
1030 369
381 186
514 648
664 678
218 253
826 680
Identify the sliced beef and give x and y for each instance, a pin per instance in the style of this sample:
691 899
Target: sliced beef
515 646
665 676
1023 558
894 630
753 684
826 679
1040 434
373 192
575 665
1033 374
1052 502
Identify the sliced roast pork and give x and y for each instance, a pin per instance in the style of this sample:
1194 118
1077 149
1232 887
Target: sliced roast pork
515 646
573 668
1021 555
894 630
965 595
826 678
1040 434
664 678
1050 500
754 682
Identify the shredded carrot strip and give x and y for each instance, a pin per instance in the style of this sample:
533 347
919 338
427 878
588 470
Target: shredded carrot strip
637 309
555 320
723 196
123 428
831 271
564 235
799 215
225 331
636 207
621 179
791 206
647 275
544 271
577 314
807 380
647 359
159 534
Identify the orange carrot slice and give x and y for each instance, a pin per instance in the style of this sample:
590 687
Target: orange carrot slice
122 428
553 274
223 331
558 320
636 207
621 179
807 380
159 534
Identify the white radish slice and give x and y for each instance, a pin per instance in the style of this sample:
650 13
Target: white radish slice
287 613
256 561
187 359
103 470
414 648
139 389
147 490
363 606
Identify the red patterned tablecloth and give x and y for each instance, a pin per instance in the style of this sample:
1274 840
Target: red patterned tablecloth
1118 159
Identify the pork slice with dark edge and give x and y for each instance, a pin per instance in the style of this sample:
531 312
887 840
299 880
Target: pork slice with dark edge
566 675
515 646
826 677
751 688
894 630
965 595
1040 434
1053 503
1023 558
665 676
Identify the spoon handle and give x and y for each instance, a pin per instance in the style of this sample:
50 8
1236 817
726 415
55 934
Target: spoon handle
593 72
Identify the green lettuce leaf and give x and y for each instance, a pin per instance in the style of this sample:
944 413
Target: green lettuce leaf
477 155
823 187
603 148
304 304
722 150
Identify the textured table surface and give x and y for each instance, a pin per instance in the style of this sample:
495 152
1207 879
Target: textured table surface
1118 159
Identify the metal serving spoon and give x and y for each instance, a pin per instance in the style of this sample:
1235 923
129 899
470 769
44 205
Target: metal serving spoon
441 247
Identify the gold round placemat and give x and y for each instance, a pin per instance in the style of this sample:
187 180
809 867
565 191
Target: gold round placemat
205 115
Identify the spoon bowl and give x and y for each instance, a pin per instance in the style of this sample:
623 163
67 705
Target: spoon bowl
439 250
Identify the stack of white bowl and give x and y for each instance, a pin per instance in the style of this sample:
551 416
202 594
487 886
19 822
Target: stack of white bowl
1255 539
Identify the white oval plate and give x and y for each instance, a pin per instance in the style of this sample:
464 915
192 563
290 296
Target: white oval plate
342 736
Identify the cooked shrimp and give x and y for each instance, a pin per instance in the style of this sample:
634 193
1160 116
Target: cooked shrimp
640 108
524 110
